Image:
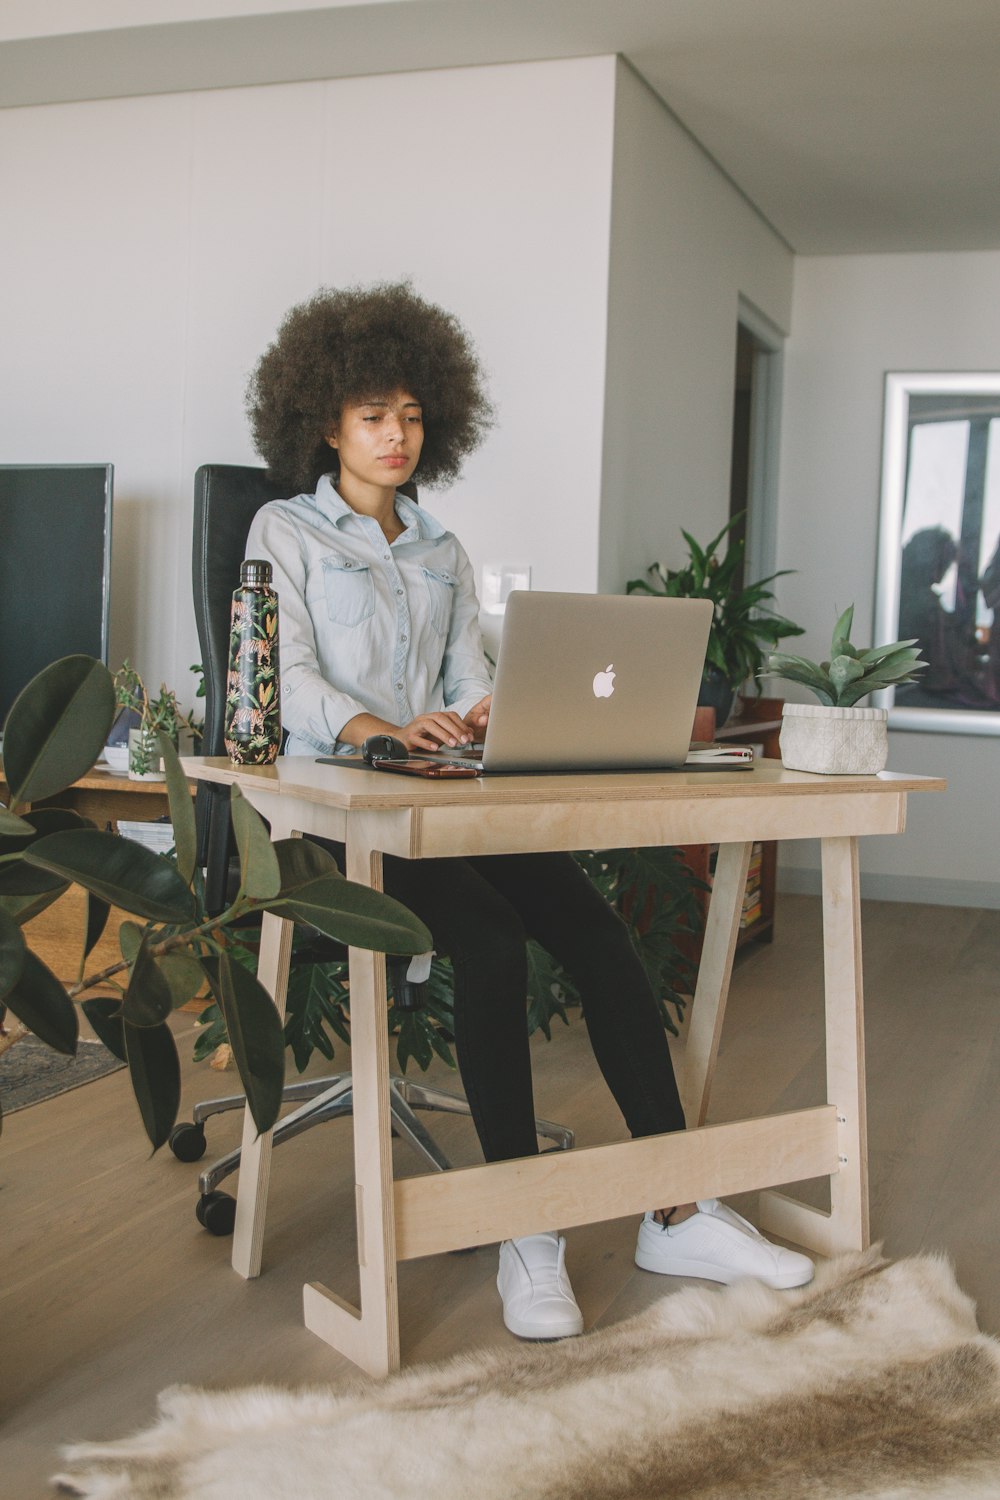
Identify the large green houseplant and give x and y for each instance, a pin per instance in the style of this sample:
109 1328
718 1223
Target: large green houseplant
172 947
742 629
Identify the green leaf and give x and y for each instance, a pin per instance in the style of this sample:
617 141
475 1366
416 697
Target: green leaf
317 998
183 974
155 1071
97 919
301 861
181 810
119 870
148 999
357 915
255 1035
11 953
23 908
105 1017
842 632
57 727
259 871
130 936
42 1004
13 827
843 671
17 878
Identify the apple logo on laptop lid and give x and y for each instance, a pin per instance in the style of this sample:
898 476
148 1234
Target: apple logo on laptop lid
604 682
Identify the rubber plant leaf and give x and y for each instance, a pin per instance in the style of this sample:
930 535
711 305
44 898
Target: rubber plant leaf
23 908
148 999
260 874
181 810
105 1016
12 952
98 912
17 878
57 727
255 1035
301 861
155 1072
119 870
357 915
13 827
40 1002
183 975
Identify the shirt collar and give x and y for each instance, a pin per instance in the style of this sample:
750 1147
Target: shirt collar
338 510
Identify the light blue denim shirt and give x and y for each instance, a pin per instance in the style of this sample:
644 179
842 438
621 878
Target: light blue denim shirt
366 626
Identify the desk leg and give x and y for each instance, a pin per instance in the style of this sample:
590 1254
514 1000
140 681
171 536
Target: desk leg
369 1336
722 928
846 1227
255 1152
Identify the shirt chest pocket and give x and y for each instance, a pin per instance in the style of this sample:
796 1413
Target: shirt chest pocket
349 588
440 585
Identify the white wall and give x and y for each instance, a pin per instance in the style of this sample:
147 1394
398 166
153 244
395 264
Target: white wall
152 245
685 246
853 319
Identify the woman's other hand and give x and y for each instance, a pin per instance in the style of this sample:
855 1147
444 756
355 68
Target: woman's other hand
479 716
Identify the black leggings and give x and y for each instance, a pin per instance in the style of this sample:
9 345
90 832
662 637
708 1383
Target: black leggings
480 911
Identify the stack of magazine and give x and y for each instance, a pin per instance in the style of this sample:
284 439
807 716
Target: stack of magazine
156 836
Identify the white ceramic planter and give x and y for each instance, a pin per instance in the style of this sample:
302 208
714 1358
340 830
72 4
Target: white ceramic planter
155 774
834 741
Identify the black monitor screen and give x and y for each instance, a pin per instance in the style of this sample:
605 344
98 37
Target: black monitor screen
55 566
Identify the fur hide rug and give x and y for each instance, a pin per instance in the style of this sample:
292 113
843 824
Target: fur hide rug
872 1382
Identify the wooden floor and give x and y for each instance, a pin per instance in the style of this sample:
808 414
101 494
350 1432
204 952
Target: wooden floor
111 1290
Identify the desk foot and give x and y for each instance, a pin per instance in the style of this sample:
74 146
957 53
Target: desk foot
809 1227
346 1329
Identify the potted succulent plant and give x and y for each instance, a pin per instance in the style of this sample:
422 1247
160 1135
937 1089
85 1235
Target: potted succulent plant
149 717
835 736
742 626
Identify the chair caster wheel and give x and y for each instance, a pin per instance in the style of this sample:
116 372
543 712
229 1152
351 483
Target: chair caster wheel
187 1141
216 1212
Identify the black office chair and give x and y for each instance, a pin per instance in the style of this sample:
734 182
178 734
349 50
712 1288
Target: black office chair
227 497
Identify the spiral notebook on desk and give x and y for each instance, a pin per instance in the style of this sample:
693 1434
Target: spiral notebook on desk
596 682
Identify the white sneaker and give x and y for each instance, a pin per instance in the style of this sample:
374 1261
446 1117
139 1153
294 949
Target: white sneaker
716 1244
538 1301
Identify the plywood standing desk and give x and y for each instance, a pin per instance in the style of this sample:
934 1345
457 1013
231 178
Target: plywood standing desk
377 814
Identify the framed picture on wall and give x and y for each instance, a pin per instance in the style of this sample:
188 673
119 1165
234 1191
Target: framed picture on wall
939 548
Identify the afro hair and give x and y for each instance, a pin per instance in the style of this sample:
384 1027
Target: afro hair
348 345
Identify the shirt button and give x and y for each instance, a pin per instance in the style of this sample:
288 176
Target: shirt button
400 593
399 687
403 638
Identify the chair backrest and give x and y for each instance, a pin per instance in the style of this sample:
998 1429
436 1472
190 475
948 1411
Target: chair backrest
226 499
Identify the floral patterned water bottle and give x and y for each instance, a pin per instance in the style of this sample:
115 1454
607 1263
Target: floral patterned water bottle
253 710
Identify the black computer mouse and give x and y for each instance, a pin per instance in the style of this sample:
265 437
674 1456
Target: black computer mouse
383 747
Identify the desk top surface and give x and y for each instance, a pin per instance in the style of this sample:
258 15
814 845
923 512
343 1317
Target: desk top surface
354 789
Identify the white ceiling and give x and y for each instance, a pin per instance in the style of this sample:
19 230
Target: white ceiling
852 125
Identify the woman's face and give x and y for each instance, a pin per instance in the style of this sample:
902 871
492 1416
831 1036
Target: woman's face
378 441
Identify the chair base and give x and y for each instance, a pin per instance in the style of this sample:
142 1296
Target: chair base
327 1099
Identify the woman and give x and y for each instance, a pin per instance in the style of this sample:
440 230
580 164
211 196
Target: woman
362 389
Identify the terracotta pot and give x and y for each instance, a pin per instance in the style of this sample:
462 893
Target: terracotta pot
834 741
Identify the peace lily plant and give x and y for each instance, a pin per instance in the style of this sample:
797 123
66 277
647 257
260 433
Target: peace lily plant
837 736
170 947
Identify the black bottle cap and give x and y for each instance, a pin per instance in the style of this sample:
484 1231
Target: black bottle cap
254 572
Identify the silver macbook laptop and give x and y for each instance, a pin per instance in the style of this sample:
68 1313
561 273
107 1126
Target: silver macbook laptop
604 682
